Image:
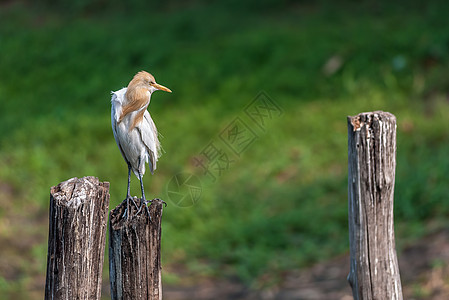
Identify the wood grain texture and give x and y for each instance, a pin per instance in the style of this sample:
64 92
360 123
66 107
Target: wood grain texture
77 236
135 252
374 271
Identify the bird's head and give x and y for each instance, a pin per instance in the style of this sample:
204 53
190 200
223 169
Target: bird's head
145 80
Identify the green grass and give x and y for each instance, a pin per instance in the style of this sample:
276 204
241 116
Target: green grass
282 203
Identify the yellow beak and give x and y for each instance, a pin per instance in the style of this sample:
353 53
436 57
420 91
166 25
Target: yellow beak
161 87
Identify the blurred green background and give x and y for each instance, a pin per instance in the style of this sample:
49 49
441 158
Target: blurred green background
280 205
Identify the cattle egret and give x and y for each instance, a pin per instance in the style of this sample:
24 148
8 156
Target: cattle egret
134 130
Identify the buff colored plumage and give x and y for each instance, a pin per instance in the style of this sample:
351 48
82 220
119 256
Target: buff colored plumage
134 130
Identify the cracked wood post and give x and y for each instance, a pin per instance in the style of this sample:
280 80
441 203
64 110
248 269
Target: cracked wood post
77 237
374 271
135 252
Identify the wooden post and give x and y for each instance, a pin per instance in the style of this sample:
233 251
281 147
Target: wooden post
135 252
76 239
374 271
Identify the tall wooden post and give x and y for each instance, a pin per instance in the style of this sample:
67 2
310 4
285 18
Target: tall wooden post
135 252
77 236
374 272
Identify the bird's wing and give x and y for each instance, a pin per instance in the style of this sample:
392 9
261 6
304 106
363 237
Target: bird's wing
116 110
148 133
116 102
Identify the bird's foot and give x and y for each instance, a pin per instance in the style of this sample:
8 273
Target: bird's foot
126 213
165 203
144 202
146 208
128 198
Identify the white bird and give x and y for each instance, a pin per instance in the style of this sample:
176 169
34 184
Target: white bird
134 130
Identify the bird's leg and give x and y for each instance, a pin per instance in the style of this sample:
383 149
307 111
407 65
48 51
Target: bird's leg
128 194
144 201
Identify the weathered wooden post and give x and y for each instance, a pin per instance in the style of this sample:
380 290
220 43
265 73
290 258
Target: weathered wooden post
77 236
374 271
135 252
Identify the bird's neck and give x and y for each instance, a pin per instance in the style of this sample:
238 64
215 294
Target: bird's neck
137 99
